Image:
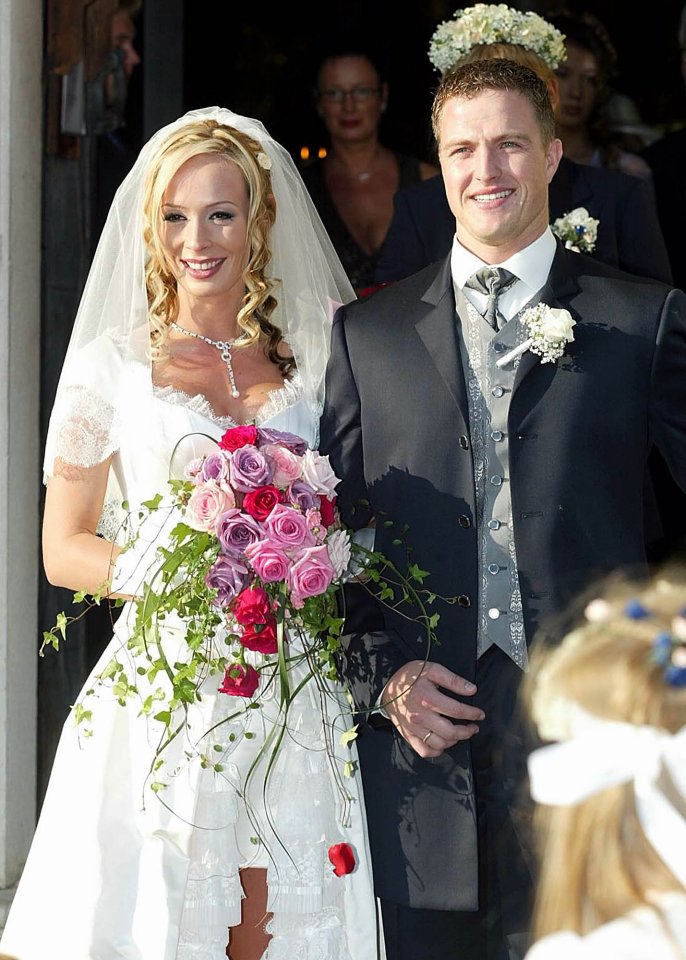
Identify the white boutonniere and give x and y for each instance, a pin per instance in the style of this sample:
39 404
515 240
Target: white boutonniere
578 230
549 330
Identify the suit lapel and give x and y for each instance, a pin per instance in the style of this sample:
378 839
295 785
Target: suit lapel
557 292
438 325
438 329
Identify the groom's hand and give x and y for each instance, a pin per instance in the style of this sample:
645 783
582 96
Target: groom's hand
422 714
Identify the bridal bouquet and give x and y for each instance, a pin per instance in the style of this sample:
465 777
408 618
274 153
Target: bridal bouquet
247 561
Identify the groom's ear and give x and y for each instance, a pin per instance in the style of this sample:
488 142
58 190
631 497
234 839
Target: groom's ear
553 157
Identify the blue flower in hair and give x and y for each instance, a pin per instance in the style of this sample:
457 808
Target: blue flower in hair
675 676
669 652
662 649
635 610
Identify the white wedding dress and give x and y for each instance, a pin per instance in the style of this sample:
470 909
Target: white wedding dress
117 872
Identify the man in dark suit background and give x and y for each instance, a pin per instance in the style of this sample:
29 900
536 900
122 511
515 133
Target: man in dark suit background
629 233
520 479
422 228
667 159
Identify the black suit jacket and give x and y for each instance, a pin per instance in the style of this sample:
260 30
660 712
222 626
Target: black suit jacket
667 159
629 233
396 428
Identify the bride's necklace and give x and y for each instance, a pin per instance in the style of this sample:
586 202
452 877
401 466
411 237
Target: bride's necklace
224 347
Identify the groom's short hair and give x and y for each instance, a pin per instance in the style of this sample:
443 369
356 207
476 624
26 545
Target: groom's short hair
472 79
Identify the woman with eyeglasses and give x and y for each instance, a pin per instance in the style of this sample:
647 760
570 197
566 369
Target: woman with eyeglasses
354 185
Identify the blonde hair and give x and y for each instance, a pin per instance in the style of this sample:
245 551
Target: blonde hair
210 138
596 863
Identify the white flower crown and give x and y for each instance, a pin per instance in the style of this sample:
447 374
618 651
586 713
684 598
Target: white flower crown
494 23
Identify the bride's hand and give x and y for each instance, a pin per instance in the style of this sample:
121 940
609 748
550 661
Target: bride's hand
425 716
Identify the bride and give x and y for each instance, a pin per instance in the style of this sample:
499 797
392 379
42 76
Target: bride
208 305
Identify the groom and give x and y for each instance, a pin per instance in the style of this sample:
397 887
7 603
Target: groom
519 480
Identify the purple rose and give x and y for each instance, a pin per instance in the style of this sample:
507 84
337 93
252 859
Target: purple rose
282 439
227 576
236 530
215 467
249 468
303 496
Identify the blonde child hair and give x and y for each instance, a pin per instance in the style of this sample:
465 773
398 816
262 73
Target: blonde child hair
625 664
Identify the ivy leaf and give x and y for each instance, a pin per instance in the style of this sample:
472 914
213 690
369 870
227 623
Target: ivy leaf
417 573
61 624
349 736
154 503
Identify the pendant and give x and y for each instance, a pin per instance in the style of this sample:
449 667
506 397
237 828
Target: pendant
226 357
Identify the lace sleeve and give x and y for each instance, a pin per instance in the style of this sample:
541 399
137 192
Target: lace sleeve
84 425
85 433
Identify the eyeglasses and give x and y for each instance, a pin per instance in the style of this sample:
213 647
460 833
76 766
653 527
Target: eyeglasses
359 94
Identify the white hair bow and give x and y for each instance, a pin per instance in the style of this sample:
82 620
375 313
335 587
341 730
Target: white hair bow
604 753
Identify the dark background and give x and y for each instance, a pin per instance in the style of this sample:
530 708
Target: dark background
263 63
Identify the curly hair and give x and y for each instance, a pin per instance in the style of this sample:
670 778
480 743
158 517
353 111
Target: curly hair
202 138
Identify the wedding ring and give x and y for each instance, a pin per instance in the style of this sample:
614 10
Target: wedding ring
426 736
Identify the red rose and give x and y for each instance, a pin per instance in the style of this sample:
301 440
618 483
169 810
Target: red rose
238 437
260 503
252 605
327 511
261 638
342 857
240 681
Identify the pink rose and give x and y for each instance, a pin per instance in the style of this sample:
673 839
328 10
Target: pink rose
260 503
252 605
261 638
206 504
193 468
310 575
288 527
287 466
268 560
240 681
314 522
238 437
318 472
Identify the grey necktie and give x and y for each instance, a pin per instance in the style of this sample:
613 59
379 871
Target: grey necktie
492 281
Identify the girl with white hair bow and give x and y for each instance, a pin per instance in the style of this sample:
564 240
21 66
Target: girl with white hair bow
611 793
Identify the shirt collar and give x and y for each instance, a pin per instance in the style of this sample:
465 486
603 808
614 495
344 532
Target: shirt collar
532 264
